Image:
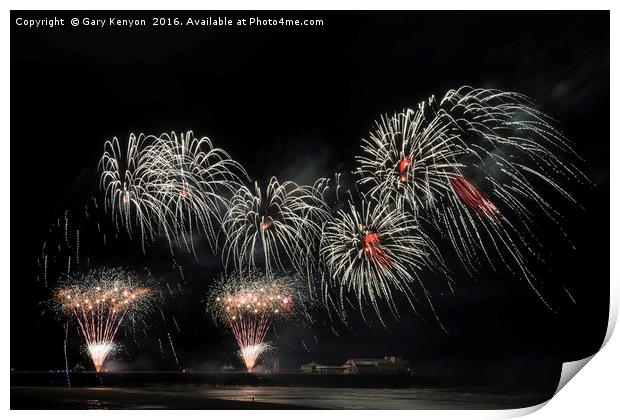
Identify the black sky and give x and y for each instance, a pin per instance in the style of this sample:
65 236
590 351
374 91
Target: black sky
295 103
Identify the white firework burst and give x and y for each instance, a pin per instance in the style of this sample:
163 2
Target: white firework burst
168 185
476 165
375 252
274 228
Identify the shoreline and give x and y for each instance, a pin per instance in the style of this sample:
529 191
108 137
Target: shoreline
266 398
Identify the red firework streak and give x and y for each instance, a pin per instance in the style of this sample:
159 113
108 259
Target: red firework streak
474 198
266 222
184 193
372 248
403 168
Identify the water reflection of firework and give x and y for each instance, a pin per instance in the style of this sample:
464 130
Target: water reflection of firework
249 303
99 302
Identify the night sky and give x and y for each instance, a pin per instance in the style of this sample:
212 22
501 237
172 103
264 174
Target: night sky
295 103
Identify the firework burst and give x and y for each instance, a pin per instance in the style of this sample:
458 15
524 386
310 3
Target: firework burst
277 226
99 301
168 185
475 164
374 251
248 303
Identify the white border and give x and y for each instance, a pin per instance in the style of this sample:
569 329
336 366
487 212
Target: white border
593 394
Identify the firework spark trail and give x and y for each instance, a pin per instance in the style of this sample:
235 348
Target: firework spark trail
374 251
168 185
175 324
332 191
66 227
66 357
174 353
474 164
248 303
98 302
277 226
77 247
